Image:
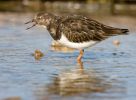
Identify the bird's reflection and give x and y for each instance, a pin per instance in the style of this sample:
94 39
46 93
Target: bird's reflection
77 81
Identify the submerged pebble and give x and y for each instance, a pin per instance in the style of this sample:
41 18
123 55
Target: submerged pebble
38 54
116 42
114 54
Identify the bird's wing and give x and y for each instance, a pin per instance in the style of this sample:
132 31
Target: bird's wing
81 29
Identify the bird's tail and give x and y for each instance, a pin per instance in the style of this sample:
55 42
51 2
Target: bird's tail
118 31
111 31
124 31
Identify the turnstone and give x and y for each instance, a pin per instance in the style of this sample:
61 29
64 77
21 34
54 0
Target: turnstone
76 31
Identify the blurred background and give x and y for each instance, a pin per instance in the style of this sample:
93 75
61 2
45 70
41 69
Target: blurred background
109 67
71 6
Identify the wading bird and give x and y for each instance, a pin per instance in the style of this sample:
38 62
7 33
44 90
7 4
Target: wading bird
76 31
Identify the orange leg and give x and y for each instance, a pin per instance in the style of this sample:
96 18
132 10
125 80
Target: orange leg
80 56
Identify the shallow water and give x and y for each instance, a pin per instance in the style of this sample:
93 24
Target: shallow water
108 74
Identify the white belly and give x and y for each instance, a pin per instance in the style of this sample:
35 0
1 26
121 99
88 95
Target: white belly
64 41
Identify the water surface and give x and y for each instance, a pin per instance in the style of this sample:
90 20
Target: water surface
108 74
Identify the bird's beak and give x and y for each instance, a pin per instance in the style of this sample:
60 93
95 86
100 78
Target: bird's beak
31 21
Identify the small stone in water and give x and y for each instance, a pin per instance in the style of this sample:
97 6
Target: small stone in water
114 53
38 54
116 42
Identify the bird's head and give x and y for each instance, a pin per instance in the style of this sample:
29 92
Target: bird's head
43 19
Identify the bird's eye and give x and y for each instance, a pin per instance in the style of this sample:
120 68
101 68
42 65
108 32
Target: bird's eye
39 17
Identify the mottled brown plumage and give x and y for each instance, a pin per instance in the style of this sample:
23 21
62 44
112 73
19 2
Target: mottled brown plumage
76 28
81 29
76 31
